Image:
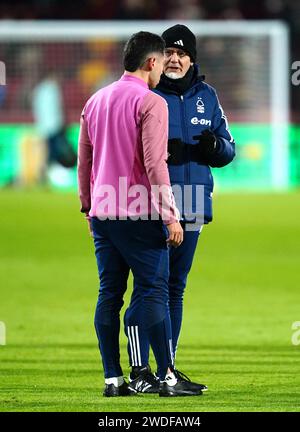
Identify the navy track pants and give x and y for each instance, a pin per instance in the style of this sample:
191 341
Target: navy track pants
139 246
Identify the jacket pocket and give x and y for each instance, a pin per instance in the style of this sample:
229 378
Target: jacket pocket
201 174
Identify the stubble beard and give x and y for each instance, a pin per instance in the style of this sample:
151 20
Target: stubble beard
174 75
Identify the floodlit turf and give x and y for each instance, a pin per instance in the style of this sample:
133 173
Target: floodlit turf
241 301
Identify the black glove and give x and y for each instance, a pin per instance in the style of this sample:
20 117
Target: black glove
208 144
176 150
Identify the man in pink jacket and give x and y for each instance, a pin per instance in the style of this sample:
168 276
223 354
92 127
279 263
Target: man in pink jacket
125 192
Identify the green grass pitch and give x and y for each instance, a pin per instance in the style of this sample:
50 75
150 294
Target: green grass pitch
241 301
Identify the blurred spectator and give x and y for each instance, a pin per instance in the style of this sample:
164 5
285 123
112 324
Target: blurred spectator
140 10
185 10
29 59
95 71
47 105
2 94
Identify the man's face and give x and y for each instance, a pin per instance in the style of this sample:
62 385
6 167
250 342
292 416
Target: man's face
157 70
177 63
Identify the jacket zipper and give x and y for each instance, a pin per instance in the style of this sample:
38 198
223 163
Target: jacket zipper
186 165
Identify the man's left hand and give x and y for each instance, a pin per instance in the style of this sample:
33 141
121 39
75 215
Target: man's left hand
207 142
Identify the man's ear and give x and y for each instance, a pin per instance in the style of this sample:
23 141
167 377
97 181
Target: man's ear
151 62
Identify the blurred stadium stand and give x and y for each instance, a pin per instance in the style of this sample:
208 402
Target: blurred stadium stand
286 10
80 75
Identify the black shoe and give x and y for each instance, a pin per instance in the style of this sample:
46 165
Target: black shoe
111 390
182 377
142 380
183 387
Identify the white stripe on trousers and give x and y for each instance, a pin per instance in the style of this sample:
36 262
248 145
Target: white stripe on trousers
133 336
171 351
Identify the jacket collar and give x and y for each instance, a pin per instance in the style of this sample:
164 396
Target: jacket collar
167 85
132 78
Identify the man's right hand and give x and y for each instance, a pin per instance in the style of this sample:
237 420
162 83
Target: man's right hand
175 234
89 222
176 150
90 228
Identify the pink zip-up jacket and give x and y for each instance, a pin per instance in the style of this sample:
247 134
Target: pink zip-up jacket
122 153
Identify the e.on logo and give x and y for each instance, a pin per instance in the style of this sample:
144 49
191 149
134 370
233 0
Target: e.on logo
2 73
296 334
2 333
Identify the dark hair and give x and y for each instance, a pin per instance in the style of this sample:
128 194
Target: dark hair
138 47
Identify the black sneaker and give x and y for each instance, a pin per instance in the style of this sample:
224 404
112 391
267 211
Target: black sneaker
142 380
111 390
182 377
183 387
